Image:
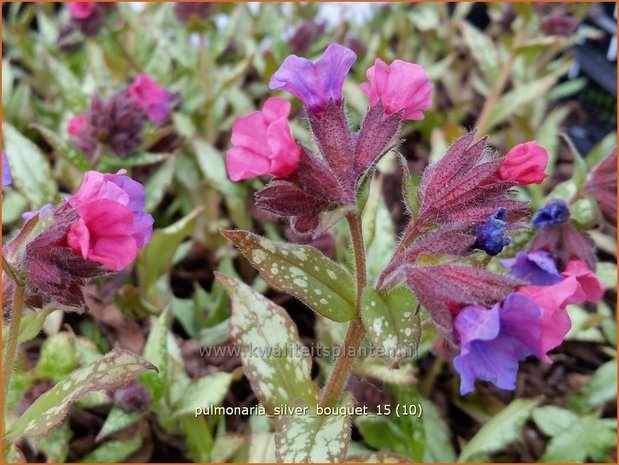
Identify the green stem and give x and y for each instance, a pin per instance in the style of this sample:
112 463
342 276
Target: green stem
336 383
12 342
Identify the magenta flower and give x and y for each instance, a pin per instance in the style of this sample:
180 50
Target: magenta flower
494 340
401 86
579 285
151 97
112 225
76 125
82 10
536 267
315 83
263 143
524 164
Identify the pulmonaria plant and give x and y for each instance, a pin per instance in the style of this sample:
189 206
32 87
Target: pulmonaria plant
463 210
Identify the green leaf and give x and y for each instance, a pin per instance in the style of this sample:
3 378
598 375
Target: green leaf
207 391
29 167
383 433
55 445
587 437
114 451
482 48
601 388
114 370
607 273
273 356
501 430
438 444
57 357
156 258
63 149
117 420
377 369
552 420
515 100
378 457
603 149
312 438
158 184
392 322
378 232
301 271
29 327
226 446
156 352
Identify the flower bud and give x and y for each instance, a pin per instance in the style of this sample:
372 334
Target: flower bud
524 164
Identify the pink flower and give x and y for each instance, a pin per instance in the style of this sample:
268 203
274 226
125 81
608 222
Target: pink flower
151 97
579 285
76 125
263 143
524 164
82 10
400 86
112 225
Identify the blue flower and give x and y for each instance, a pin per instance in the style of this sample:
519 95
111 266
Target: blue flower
491 235
493 341
536 267
554 212
6 171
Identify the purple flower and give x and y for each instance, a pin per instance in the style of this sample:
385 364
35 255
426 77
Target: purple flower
493 340
554 212
315 83
6 171
537 267
491 235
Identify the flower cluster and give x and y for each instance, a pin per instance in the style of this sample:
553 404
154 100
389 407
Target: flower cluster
466 205
116 124
308 184
532 320
88 17
101 227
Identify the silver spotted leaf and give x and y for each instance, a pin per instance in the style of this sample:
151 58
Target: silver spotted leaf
392 322
313 438
275 361
114 370
302 271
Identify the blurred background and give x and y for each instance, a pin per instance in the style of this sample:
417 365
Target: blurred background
516 72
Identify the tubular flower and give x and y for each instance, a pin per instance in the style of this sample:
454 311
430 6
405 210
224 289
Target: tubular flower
579 284
400 86
263 143
524 164
554 212
112 225
151 97
536 267
315 84
494 340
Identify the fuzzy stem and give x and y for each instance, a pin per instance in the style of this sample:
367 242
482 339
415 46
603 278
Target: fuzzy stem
12 342
336 383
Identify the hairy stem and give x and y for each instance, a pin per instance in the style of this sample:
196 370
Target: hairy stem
354 337
12 341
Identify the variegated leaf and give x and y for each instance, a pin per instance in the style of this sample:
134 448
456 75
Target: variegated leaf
379 457
301 271
392 322
275 361
113 371
313 438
